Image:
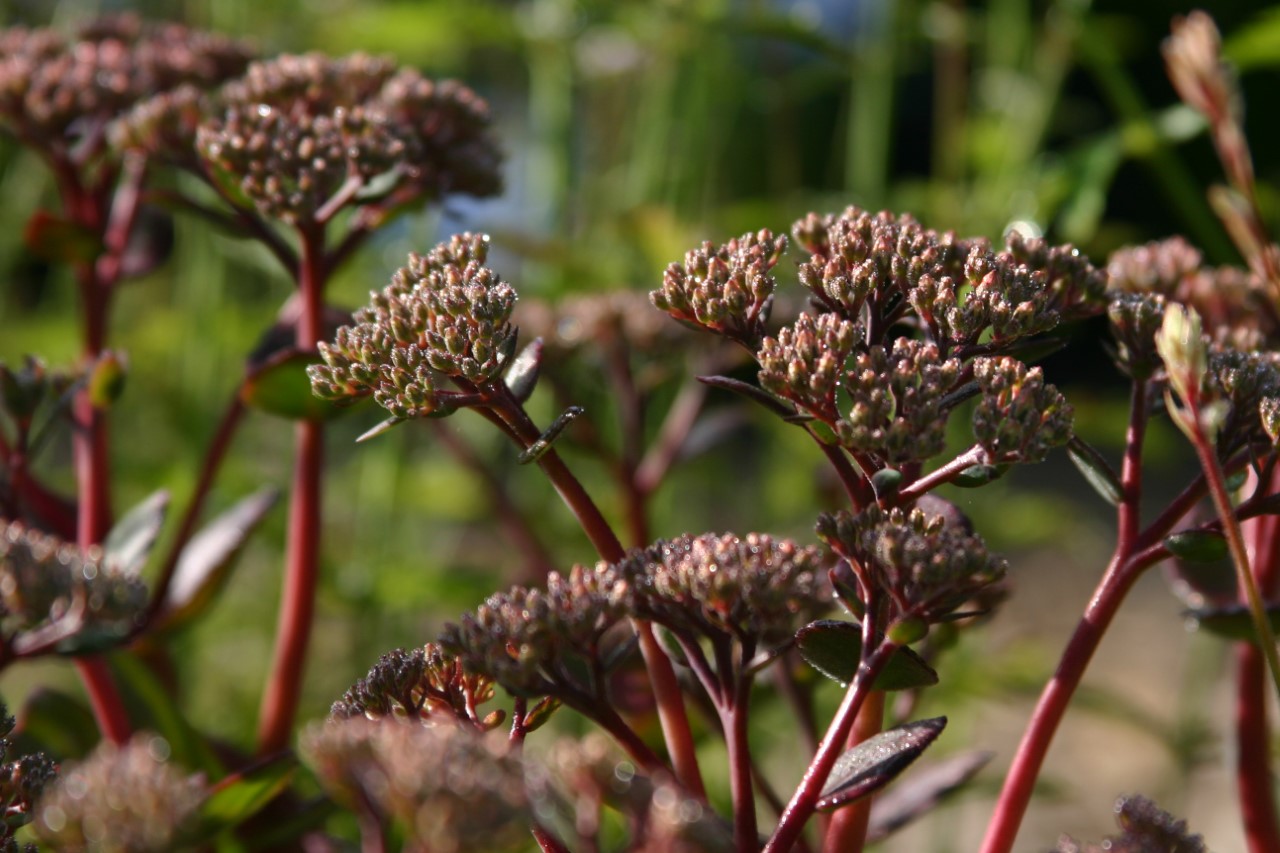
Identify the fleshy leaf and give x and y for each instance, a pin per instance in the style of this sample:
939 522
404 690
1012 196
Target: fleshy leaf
1097 472
281 387
1232 621
130 542
977 475
242 795
834 648
875 762
207 560
1197 546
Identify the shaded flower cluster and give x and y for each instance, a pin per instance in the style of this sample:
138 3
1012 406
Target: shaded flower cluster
303 136
925 566
1232 302
447 787
121 799
544 642
45 581
1146 829
1019 417
21 782
1249 385
424 683
445 314
754 588
58 95
727 289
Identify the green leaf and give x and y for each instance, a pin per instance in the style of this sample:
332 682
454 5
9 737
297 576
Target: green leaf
522 377
129 543
56 722
1197 546
875 762
886 482
1231 621
1095 469
834 648
281 387
977 475
242 795
208 558
1257 43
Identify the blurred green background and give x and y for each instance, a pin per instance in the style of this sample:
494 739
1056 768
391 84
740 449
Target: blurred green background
633 131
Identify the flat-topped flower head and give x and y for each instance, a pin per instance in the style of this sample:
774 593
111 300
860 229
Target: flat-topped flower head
1248 383
448 788
925 566
58 95
860 257
724 289
121 799
548 642
753 588
443 315
1019 417
424 683
44 580
1146 828
807 361
304 136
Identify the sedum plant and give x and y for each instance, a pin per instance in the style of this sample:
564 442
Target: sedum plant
664 645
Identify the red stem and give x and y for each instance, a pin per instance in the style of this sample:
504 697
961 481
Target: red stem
734 717
1111 590
805 799
848 830
302 558
1253 735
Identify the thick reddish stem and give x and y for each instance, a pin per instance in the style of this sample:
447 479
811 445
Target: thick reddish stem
734 717
1115 584
302 559
848 830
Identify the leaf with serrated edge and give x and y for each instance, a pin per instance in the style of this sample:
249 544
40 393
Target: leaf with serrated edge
876 761
131 540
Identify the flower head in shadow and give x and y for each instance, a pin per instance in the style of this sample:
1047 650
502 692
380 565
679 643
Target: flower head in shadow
923 565
1145 829
754 588
448 788
423 684
302 137
121 799
443 315
22 780
54 595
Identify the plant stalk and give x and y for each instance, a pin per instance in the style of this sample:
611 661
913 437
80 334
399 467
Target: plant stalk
848 830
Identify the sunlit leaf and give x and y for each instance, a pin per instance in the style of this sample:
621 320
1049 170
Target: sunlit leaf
874 763
130 541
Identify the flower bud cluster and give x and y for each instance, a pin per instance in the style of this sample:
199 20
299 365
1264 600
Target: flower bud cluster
859 256
1249 384
543 642
1135 319
22 780
1146 829
445 314
806 363
926 567
45 580
56 94
447 787
754 588
1019 417
121 799
303 136
725 289
1231 302
419 684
